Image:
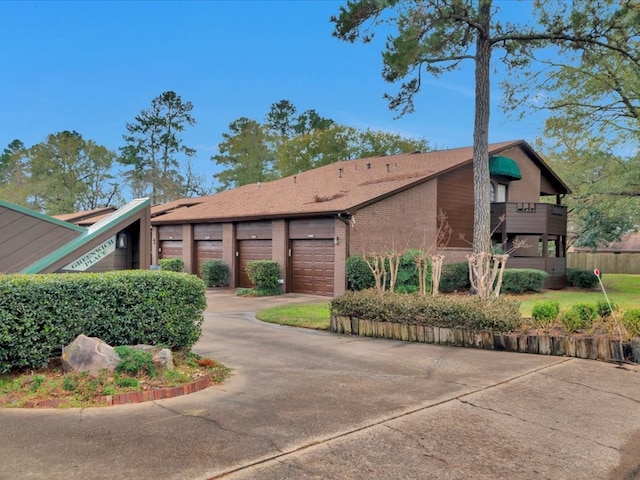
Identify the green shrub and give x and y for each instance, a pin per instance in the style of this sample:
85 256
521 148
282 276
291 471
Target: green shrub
135 362
586 312
571 321
40 314
468 312
631 321
171 264
604 309
215 273
408 281
264 274
544 314
359 276
455 278
579 317
126 382
518 280
581 278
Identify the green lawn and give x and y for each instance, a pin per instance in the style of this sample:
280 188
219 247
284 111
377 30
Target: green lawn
313 315
623 291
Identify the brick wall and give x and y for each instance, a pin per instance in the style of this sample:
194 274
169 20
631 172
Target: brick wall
404 220
280 247
229 250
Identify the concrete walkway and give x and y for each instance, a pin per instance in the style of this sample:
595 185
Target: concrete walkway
314 405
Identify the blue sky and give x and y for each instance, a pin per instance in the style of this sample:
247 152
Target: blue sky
92 66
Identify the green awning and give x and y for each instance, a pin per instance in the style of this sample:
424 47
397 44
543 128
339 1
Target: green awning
505 167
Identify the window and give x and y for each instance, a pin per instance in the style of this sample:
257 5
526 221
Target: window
500 195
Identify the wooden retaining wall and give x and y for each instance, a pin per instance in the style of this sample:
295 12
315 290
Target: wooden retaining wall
595 348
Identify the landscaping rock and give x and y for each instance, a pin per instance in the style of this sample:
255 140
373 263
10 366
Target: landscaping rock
89 354
162 357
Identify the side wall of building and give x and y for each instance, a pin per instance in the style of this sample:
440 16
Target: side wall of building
404 220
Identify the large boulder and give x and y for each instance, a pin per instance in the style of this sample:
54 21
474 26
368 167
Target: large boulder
89 354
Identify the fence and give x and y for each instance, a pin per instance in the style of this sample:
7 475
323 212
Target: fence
606 262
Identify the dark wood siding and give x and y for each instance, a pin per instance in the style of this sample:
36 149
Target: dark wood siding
207 231
207 250
254 230
171 249
312 265
455 199
170 232
311 228
249 250
25 239
529 218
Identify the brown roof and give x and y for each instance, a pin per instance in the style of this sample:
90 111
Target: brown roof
335 188
176 204
86 217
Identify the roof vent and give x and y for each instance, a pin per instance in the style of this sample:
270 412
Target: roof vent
294 179
340 171
368 166
388 169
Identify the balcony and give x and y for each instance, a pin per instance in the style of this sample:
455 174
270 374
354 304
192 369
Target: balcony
528 218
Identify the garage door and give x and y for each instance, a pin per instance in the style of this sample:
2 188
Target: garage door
171 249
312 266
207 250
249 250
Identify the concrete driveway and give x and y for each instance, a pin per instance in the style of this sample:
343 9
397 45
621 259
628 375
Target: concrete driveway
314 405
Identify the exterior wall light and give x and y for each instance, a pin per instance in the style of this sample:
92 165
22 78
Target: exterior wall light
121 240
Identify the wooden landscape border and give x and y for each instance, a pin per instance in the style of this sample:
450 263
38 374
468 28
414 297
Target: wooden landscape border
597 347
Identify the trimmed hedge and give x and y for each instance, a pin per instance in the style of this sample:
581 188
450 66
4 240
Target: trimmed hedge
264 274
518 280
467 312
581 278
40 314
359 276
455 278
171 264
215 273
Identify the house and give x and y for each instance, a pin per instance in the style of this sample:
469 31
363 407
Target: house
310 223
31 242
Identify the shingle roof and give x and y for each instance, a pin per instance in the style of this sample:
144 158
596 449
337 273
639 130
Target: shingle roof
85 216
339 187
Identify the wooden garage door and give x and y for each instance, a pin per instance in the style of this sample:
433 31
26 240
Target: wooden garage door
249 250
207 250
171 249
312 266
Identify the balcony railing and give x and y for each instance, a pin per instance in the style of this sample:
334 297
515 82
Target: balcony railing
529 218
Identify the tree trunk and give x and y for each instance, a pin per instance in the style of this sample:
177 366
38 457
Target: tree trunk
482 213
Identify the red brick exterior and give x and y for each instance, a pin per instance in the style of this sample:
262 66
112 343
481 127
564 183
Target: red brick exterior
404 220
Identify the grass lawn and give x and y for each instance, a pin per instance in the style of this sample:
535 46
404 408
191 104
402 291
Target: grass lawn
623 291
313 315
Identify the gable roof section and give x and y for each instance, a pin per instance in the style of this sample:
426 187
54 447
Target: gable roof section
341 187
118 220
86 217
26 234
